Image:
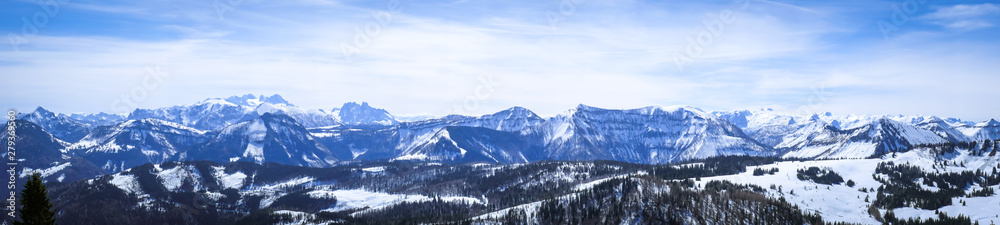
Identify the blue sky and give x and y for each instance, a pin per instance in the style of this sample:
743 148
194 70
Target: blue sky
476 57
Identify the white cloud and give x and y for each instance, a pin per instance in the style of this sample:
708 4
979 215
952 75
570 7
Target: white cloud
963 17
969 24
963 11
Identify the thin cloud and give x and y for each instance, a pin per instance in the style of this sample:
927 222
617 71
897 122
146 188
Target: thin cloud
963 17
963 11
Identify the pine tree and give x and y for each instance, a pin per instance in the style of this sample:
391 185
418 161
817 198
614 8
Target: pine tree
35 206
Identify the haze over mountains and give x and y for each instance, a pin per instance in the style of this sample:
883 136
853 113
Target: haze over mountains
263 129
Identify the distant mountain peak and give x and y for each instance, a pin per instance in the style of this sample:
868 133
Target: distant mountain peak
518 111
252 100
990 123
43 112
353 113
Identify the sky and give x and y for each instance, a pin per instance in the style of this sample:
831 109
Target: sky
476 57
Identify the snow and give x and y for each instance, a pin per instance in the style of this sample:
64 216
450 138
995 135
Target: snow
359 198
357 152
981 209
325 134
234 180
418 156
846 204
374 169
127 183
838 203
174 178
353 199
288 183
256 131
45 172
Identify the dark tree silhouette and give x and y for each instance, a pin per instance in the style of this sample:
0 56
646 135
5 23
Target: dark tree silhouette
35 206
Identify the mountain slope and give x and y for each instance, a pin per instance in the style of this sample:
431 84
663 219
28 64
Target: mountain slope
359 114
38 151
765 126
989 130
268 138
475 144
645 135
59 125
824 141
210 114
137 142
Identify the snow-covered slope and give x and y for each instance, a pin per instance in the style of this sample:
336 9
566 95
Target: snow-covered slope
38 151
474 144
821 140
942 128
840 202
645 135
136 142
268 138
306 117
989 130
210 114
59 125
422 140
764 125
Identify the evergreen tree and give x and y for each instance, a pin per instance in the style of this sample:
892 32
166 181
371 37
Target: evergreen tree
35 206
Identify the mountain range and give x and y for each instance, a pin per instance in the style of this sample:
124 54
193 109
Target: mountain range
269 129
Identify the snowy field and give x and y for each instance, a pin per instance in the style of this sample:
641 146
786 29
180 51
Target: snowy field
847 204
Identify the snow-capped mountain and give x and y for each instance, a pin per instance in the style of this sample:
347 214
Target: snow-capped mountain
217 113
210 114
475 144
989 130
250 100
262 159
422 140
59 125
766 126
136 142
359 114
235 129
829 135
497 138
944 129
644 135
821 140
306 117
99 119
269 138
